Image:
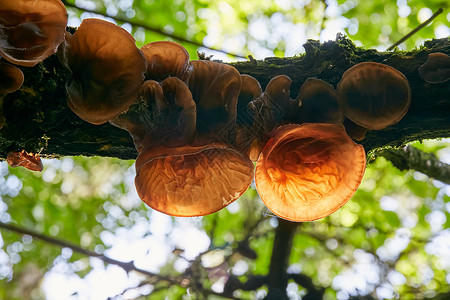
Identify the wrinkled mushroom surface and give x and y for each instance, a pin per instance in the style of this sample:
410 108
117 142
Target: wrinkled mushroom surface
374 95
192 181
23 159
307 172
11 78
436 69
31 30
165 58
107 70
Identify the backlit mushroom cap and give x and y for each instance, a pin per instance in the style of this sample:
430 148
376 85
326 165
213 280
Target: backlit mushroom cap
107 70
318 102
23 159
11 78
436 69
165 58
307 172
215 88
192 181
31 30
374 95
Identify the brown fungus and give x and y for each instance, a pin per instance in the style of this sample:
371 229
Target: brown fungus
30 30
318 103
436 69
173 175
215 88
374 95
24 159
107 70
307 172
11 78
165 58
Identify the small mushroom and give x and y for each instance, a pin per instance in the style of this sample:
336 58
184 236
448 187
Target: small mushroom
192 181
318 103
107 70
355 131
11 78
374 95
436 69
215 88
165 58
30 30
307 172
23 159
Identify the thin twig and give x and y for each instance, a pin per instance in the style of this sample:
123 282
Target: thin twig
149 28
127 266
437 13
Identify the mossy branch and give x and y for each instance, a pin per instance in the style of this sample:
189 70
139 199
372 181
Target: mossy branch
37 118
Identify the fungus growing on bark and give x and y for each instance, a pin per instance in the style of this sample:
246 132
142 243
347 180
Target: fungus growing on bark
30 30
23 159
318 102
165 58
178 171
11 78
107 70
374 95
436 69
307 172
215 88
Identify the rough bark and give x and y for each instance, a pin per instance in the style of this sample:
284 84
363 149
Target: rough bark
37 118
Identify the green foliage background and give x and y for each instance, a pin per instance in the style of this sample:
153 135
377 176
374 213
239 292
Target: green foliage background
395 228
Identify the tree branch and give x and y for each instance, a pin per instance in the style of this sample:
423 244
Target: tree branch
412 158
37 116
178 38
127 266
279 262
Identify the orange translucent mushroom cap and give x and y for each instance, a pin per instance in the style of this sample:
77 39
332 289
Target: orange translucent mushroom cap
373 95
192 181
166 58
107 70
307 172
11 78
24 159
31 30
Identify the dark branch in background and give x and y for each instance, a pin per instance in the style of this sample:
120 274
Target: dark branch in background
437 13
149 28
127 266
279 262
410 158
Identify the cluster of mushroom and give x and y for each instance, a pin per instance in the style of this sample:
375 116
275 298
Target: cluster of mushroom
198 126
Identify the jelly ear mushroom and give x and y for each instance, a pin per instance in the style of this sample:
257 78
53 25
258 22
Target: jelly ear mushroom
192 181
307 172
11 78
374 95
24 159
436 69
107 70
215 88
165 58
318 102
30 30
